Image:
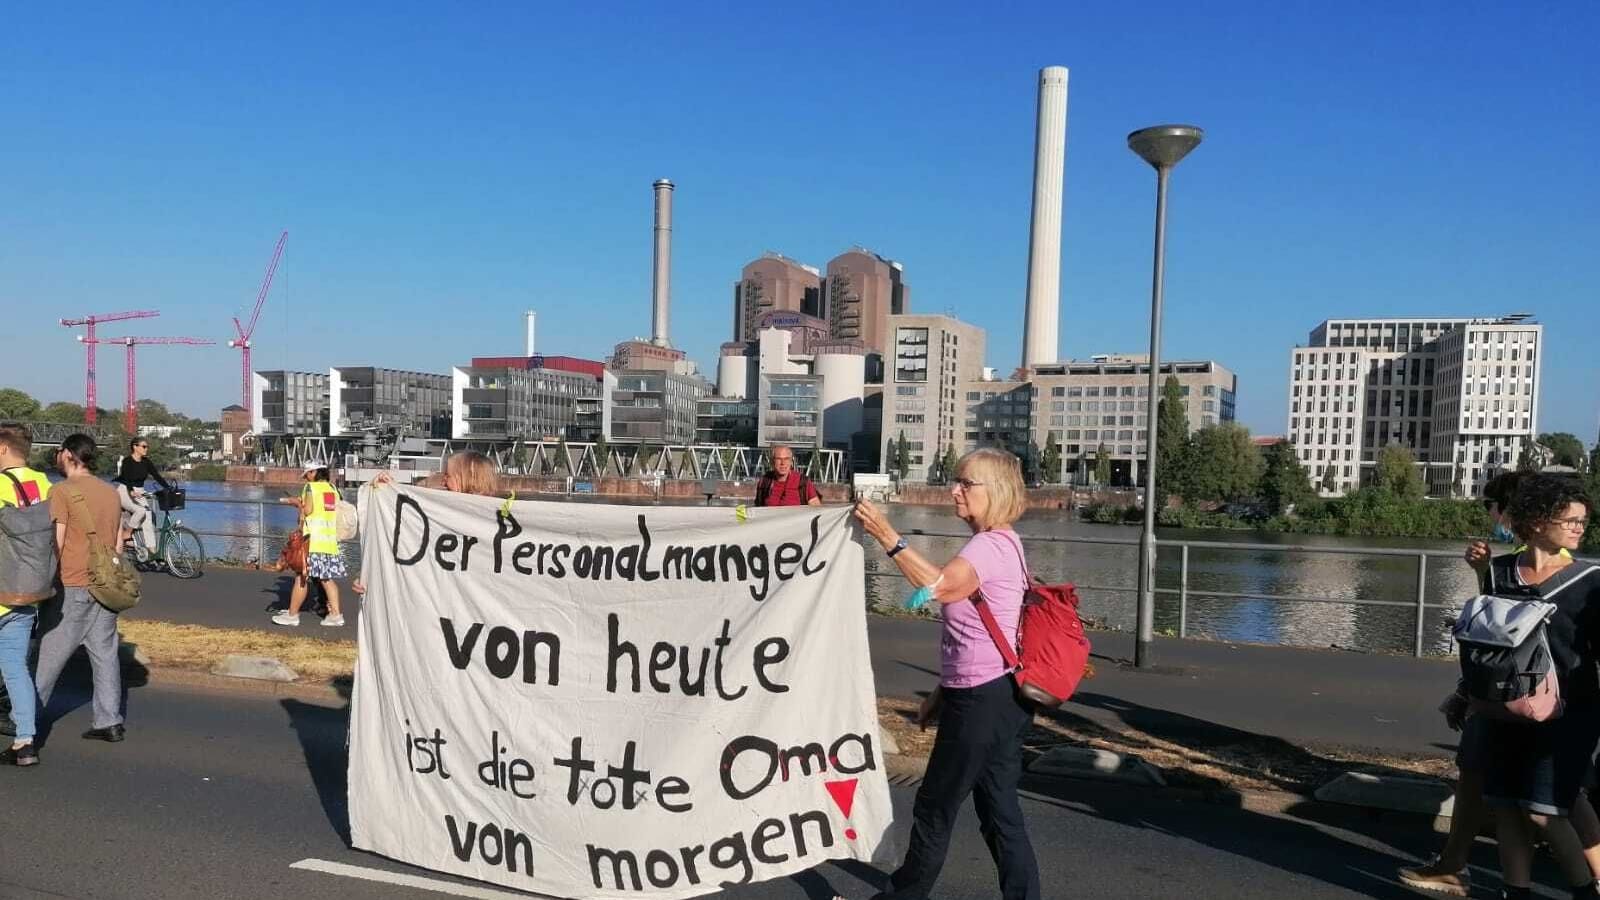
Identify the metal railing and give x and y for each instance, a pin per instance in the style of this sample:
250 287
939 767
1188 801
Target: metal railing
1184 593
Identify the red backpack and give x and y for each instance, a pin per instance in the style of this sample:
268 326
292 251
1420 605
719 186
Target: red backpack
1052 652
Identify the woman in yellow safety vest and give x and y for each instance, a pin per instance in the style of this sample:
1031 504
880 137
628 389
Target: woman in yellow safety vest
319 517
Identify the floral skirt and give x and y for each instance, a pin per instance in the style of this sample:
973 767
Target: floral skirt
325 566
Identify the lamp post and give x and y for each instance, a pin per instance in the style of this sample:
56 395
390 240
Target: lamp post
1162 146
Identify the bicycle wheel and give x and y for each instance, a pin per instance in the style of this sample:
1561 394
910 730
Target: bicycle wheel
185 554
141 553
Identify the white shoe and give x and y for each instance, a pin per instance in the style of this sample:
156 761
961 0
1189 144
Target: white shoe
286 619
333 622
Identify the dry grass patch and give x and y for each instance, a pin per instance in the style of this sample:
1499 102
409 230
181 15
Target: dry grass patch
198 647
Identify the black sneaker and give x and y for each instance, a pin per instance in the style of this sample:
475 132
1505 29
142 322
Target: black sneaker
23 756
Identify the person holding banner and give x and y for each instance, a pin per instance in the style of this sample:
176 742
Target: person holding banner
982 719
466 472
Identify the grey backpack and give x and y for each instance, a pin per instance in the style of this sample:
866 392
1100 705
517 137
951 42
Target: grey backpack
27 550
1506 667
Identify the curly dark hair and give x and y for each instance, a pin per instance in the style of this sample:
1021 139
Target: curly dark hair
1501 488
1540 499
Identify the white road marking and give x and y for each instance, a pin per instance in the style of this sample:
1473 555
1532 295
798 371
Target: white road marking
412 881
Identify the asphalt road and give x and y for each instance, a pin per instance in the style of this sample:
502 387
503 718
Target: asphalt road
216 793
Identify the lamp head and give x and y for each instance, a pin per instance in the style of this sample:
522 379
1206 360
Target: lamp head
1163 146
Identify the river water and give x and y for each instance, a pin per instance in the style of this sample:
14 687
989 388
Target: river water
1094 567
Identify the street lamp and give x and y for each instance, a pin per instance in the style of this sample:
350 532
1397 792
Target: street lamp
1162 146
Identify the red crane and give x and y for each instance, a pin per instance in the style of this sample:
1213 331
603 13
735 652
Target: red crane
242 342
89 342
130 413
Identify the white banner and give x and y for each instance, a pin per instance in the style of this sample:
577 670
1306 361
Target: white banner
608 701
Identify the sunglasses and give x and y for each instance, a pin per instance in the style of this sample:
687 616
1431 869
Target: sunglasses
967 484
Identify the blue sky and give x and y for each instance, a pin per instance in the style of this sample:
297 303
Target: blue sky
441 168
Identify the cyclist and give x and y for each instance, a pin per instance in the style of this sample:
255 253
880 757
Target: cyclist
137 469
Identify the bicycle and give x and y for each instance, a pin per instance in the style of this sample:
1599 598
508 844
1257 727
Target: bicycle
176 546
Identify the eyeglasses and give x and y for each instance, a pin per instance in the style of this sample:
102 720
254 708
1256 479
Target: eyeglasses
1571 524
967 484
779 459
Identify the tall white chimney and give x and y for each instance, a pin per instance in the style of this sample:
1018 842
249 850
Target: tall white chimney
528 318
661 283
1041 324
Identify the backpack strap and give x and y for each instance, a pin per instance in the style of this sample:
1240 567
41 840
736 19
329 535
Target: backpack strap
22 496
992 625
79 509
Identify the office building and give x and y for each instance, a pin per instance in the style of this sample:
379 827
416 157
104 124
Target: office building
526 400
774 284
655 407
1104 402
365 398
929 358
789 410
290 403
726 421
1360 385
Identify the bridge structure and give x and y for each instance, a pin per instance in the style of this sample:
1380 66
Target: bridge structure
696 461
51 434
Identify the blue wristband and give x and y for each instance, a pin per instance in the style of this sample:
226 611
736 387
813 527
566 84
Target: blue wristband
919 598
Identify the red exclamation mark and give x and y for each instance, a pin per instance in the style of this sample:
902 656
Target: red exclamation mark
844 795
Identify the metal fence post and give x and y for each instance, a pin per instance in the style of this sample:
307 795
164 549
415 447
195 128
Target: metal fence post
1183 593
1422 599
261 533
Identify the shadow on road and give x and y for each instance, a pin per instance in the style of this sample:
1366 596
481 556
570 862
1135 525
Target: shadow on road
323 734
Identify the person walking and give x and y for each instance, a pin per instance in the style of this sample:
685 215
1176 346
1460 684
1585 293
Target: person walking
783 486
1447 872
319 522
1536 771
19 486
982 719
135 471
85 510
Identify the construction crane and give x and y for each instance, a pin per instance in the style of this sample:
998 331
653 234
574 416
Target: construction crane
242 341
130 413
89 344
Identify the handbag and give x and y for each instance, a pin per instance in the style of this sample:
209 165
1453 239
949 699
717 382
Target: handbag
112 583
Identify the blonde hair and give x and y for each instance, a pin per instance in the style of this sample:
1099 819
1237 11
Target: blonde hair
474 473
1001 475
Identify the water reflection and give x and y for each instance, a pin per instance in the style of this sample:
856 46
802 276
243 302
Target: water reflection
1100 569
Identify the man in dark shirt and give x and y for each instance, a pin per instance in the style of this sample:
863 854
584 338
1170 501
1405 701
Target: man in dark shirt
135 471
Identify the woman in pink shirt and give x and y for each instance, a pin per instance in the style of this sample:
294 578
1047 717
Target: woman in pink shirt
978 750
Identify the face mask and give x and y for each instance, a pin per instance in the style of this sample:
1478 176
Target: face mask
1503 534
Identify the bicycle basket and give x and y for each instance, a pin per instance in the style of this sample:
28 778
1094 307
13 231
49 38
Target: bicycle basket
172 498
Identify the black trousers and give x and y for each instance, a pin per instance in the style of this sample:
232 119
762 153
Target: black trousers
978 751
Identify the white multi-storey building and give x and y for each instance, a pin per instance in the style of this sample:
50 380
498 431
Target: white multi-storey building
1360 385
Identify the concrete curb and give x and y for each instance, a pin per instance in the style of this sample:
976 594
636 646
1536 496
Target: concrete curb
264 668
1399 793
1091 762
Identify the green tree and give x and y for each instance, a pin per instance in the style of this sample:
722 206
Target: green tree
1526 461
1102 465
1226 464
1031 468
1330 479
561 463
602 457
902 457
1567 449
65 413
951 461
1396 472
1051 460
1284 482
645 458
1172 440
16 405
154 412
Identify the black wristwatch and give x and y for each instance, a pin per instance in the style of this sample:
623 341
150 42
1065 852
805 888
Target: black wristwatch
898 546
